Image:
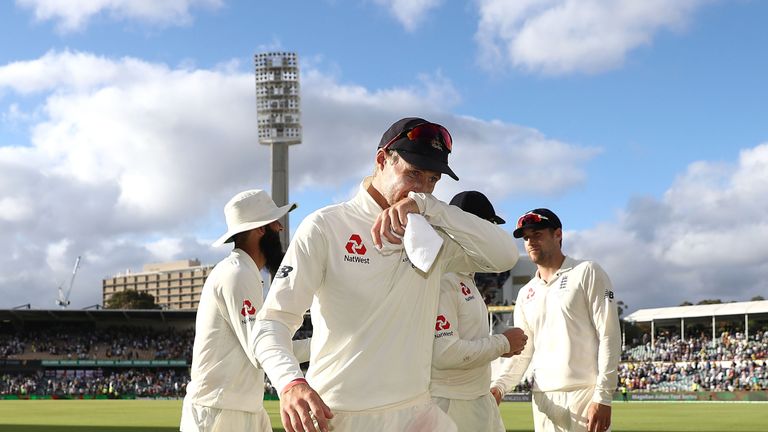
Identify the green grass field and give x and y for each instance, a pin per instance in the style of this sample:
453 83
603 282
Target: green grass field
163 416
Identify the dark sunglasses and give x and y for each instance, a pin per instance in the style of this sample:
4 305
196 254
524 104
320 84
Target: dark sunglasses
424 132
530 218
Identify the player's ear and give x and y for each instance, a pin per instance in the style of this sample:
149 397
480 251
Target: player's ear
381 159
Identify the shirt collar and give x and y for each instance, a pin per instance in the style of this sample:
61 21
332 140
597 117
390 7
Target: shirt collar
568 264
245 260
365 200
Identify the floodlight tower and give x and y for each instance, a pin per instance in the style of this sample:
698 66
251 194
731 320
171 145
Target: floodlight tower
279 117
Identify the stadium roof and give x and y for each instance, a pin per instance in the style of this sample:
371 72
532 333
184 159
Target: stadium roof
82 315
699 311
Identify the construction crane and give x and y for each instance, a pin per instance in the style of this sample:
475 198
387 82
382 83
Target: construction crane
63 299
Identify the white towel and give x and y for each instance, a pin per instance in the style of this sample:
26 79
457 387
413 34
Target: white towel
422 242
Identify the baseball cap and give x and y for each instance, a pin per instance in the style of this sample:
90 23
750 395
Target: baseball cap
478 204
421 143
537 219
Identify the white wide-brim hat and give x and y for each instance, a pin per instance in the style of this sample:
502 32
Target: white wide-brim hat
249 210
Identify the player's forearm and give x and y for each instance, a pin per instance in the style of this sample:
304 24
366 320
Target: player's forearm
609 351
512 376
274 351
469 354
606 318
490 247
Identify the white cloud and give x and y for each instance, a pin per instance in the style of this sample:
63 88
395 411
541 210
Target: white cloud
14 209
706 238
132 163
410 13
566 36
73 15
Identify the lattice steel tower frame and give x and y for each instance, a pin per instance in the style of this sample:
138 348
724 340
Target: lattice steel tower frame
279 117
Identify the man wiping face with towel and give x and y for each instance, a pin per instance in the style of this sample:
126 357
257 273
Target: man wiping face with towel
373 309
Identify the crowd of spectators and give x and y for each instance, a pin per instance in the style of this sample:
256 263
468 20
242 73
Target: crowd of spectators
112 343
671 347
749 375
670 364
99 382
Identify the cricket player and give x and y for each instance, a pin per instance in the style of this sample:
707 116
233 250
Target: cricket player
463 348
568 312
373 311
226 391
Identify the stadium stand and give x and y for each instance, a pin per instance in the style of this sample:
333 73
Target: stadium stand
95 354
129 354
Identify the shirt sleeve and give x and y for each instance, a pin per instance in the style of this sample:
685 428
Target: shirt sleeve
274 351
450 351
605 317
239 301
515 368
300 275
477 246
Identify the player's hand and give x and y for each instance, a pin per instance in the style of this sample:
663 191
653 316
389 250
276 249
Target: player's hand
391 222
517 340
598 417
302 410
496 392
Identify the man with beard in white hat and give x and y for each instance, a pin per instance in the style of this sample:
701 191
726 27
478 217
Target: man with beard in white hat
227 388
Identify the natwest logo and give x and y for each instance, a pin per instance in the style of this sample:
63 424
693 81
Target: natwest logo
355 245
356 250
247 308
442 323
468 296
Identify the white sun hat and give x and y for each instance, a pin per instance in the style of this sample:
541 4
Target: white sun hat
248 210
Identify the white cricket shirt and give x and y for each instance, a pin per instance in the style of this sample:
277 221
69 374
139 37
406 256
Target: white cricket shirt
572 324
373 314
463 348
223 375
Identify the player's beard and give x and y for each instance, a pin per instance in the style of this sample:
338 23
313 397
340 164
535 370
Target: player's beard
272 249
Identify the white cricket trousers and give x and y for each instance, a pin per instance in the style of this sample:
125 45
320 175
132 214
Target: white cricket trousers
564 411
416 415
476 415
198 418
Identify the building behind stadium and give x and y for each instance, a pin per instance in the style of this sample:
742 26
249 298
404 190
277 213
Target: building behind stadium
176 285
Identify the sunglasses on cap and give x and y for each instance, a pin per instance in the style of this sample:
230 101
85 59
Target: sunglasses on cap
530 218
424 132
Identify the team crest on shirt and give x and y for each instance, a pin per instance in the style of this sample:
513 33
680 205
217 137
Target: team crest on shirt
563 282
442 326
466 291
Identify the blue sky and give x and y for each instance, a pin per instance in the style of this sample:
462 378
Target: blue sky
126 125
